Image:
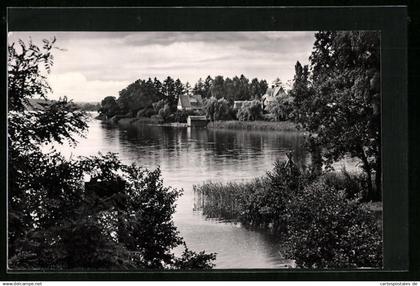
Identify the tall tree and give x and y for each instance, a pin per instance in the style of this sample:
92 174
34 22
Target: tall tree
342 113
217 109
301 91
217 87
109 106
137 95
179 90
244 92
229 90
168 90
158 88
207 86
254 89
199 88
263 87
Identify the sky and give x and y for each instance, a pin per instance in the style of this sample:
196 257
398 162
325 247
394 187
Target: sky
93 65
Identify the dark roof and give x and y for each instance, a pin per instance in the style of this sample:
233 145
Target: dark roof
278 90
184 101
190 101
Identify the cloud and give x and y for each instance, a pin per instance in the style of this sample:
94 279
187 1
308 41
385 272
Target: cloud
77 87
104 61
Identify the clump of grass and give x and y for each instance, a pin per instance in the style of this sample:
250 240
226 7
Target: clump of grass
224 201
260 203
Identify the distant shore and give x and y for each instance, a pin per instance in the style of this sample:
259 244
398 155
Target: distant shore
254 125
128 120
229 124
149 121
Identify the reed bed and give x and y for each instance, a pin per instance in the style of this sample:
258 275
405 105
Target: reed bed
254 125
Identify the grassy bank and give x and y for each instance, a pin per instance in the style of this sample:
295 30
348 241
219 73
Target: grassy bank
230 124
323 222
131 120
254 125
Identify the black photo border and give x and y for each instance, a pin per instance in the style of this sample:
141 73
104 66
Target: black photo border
392 21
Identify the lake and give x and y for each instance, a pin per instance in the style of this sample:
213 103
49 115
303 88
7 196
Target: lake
189 156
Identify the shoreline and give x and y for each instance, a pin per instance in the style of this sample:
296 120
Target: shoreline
254 125
259 125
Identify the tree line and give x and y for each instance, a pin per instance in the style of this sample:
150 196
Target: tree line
148 97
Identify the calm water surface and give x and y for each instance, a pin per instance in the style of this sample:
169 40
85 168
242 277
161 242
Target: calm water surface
188 157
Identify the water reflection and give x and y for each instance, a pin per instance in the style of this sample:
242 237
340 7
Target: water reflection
189 156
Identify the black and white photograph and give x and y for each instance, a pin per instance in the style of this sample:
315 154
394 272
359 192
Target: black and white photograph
194 150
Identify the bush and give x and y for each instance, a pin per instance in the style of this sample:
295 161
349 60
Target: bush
250 111
158 105
191 260
217 109
351 185
328 231
165 113
109 107
268 117
281 108
146 112
120 219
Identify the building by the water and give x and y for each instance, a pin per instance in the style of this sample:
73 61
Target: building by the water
197 121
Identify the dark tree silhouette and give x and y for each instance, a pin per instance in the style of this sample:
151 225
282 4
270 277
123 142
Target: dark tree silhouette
341 106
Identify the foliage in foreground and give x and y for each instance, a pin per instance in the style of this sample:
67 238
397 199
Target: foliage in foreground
325 230
324 226
120 219
89 213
